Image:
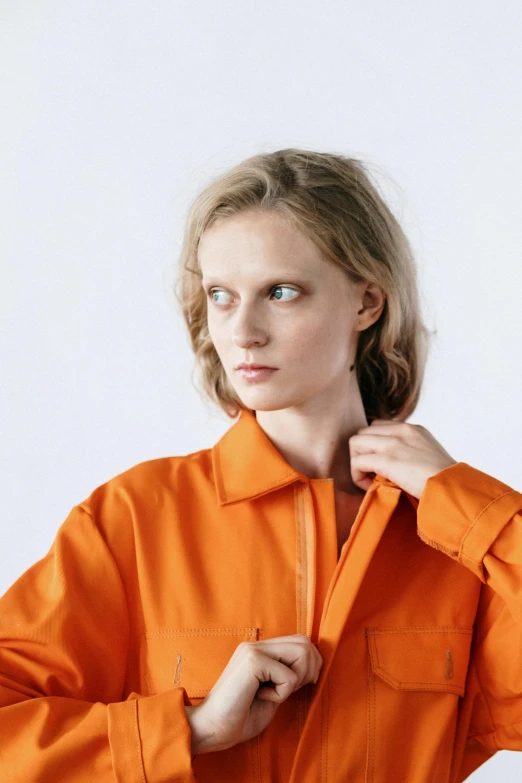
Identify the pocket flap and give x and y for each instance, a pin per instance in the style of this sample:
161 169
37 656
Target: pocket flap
425 658
193 658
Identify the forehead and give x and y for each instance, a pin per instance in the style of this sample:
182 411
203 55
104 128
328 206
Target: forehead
257 242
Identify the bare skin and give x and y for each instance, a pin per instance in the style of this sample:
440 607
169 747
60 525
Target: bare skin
274 299
257 679
346 508
309 408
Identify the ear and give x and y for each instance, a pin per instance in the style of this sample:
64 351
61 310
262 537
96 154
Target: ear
372 305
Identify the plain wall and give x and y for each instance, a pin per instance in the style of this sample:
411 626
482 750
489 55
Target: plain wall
116 114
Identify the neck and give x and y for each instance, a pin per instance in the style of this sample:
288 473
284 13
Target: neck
317 445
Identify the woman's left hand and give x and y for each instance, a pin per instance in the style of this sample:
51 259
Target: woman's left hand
404 453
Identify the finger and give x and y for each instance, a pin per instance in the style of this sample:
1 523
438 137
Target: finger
363 464
297 653
300 638
318 665
305 662
296 638
276 682
382 426
368 441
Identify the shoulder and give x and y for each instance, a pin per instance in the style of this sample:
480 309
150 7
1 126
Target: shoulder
151 487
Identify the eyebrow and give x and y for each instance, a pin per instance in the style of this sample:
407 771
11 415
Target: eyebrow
298 276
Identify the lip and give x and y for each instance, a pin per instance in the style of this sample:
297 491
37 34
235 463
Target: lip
249 367
256 374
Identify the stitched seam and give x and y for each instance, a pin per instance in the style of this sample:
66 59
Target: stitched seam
461 551
301 577
298 600
310 552
374 716
138 745
322 735
465 629
297 723
300 709
298 553
258 748
280 483
202 632
436 545
391 679
445 687
370 724
327 720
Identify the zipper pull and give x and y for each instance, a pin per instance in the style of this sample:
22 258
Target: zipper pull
176 680
448 674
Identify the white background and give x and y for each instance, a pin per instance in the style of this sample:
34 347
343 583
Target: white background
115 115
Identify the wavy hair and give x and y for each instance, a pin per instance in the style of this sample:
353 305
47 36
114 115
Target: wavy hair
334 202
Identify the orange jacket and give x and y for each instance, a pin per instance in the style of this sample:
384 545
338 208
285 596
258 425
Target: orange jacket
156 577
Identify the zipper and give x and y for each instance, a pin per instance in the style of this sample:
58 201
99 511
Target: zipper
305 560
305 578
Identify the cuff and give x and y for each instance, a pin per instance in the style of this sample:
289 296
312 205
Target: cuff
462 511
150 738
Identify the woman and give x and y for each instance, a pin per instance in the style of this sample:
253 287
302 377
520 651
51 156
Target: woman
325 594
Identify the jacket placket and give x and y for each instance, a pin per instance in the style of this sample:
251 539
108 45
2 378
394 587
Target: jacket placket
353 563
305 578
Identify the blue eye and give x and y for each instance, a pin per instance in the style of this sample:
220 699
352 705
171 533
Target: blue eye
212 292
284 286
275 288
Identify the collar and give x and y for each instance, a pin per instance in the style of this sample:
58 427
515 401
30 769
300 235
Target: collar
247 465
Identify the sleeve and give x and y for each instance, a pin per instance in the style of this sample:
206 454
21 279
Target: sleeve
477 520
64 636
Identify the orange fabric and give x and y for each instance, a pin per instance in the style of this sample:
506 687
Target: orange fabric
155 578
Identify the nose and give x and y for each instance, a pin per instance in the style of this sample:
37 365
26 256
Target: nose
247 330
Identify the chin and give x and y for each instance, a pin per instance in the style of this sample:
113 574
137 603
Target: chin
254 405
261 407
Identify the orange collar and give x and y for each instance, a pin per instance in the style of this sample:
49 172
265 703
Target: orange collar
247 465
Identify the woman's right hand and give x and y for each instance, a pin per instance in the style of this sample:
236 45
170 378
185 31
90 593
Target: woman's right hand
257 679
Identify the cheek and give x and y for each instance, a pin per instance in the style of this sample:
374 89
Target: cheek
323 341
219 344
217 334
301 342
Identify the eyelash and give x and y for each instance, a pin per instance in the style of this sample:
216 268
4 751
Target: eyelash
211 291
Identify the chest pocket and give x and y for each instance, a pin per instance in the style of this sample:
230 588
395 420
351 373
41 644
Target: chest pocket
416 676
193 658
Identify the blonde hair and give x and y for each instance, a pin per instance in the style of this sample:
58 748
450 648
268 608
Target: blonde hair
333 201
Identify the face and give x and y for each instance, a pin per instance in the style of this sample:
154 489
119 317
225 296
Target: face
273 299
